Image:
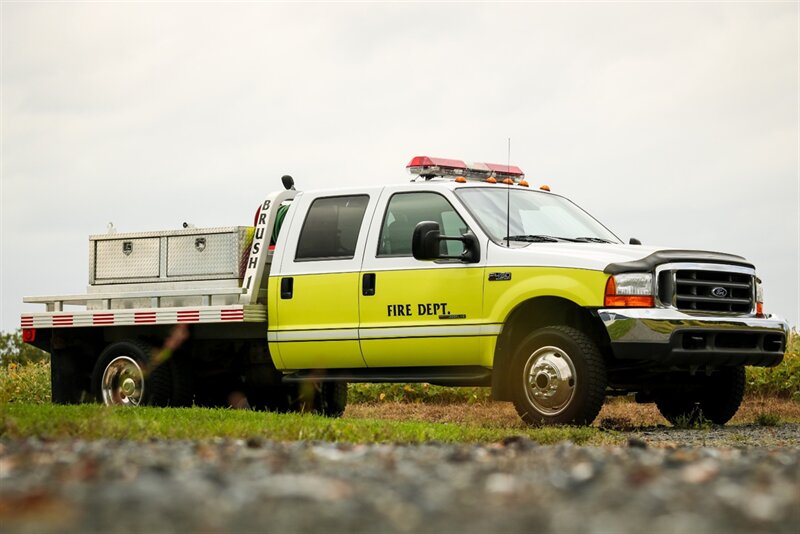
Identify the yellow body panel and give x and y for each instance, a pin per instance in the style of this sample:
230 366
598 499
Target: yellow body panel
320 305
443 297
581 286
460 289
421 352
406 303
321 355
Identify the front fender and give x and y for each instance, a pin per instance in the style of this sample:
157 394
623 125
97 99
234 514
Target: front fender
583 287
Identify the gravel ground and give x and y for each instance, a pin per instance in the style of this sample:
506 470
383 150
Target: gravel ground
717 484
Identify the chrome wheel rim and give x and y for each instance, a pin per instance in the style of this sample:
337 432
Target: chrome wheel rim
123 382
549 380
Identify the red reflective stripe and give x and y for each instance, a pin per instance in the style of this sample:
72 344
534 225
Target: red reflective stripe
232 315
103 318
62 320
144 317
188 316
26 321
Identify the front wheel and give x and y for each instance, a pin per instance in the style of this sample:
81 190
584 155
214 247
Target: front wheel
558 377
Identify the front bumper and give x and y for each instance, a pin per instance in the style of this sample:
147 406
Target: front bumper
674 338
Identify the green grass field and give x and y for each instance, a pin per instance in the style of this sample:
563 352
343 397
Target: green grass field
93 421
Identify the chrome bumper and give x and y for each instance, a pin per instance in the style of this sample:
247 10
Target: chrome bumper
672 337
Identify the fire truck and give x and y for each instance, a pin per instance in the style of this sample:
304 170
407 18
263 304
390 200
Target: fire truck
464 276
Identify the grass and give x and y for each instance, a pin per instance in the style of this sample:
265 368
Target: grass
93 421
768 419
782 380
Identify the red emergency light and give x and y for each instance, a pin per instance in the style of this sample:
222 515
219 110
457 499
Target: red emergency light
505 171
427 167
430 167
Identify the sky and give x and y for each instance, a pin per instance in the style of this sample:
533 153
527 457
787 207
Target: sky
676 123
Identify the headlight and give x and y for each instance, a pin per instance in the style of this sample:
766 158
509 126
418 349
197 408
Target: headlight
630 290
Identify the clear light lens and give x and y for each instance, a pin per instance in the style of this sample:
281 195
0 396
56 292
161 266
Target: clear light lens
634 283
759 291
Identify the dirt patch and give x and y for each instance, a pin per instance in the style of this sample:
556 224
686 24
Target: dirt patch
503 415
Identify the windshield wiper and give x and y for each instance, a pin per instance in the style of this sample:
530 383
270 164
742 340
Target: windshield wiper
592 240
536 238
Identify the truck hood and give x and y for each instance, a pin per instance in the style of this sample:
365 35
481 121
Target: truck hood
607 257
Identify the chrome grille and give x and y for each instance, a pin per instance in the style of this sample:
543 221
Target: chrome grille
707 290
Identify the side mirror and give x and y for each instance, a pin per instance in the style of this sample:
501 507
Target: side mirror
428 236
634 241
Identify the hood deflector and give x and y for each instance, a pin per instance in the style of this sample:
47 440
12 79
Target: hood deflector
648 263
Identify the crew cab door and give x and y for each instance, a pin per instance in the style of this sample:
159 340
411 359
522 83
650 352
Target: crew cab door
313 296
416 313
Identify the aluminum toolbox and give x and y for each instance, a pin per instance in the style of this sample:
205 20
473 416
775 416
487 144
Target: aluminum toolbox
169 256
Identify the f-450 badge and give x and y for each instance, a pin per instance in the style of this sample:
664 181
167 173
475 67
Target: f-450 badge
499 277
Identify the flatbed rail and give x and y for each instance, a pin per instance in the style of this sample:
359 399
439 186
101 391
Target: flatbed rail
55 303
147 316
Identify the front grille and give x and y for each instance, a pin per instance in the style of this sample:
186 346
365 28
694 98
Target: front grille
707 291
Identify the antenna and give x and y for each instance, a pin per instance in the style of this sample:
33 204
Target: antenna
508 197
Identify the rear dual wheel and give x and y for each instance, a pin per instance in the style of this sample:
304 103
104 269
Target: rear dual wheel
126 374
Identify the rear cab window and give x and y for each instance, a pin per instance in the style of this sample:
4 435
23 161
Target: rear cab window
331 228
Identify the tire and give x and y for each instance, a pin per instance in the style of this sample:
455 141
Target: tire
558 377
321 398
679 408
123 376
278 398
723 394
64 385
717 399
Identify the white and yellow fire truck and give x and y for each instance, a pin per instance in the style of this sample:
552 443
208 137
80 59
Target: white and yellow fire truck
465 276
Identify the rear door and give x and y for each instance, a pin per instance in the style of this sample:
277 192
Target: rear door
420 313
314 295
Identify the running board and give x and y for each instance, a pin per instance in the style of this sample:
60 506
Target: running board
440 376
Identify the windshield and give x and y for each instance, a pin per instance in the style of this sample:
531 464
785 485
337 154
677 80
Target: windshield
534 216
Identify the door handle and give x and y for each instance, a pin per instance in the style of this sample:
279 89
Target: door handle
287 288
368 284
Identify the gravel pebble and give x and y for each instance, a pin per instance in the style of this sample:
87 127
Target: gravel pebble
512 486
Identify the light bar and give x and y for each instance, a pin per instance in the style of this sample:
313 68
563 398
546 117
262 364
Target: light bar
428 167
505 171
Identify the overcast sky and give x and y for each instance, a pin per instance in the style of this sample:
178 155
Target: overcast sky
676 123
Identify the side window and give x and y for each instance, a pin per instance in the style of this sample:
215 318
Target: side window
330 231
406 210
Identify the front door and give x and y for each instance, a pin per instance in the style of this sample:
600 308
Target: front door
416 313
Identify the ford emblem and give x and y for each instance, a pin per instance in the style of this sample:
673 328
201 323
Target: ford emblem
719 292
